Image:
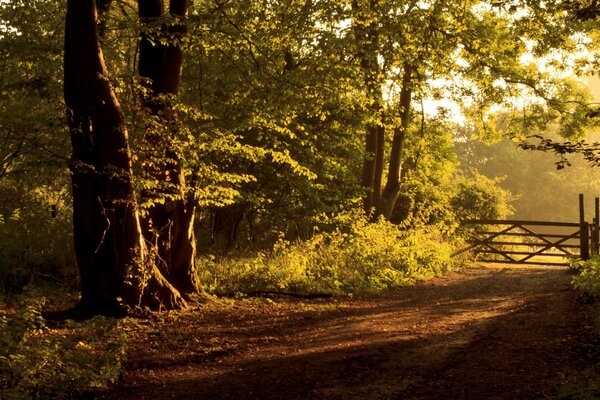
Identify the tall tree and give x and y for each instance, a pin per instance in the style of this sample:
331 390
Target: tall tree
277 77
478 49
394 50
170 214
367 35
110 250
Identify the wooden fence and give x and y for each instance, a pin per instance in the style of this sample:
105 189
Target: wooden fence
535 242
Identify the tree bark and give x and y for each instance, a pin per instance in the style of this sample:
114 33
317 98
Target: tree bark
368 169
392 188
169 224
379 166
108 242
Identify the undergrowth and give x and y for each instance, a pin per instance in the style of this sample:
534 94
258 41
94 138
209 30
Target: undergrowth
39 363
359 257
587 281
587 278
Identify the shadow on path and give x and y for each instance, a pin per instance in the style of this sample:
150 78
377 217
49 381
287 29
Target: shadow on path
481 334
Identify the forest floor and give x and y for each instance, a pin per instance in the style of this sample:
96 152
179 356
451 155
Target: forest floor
483 333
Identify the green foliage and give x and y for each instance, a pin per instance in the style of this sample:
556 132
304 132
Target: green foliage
354 258
480 197
36 246
436 190
269 123
278 79
541 192
429 172
587 282
33 143
38 363
587 279
33 146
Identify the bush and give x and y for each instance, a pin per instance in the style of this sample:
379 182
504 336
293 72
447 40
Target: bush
356 258
36 245
481 198
587 279
38 363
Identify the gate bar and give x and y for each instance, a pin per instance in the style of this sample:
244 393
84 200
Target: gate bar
584 238
517 222
596 228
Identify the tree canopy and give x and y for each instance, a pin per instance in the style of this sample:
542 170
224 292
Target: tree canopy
221 127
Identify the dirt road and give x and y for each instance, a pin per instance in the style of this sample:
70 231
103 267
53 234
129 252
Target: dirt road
486 333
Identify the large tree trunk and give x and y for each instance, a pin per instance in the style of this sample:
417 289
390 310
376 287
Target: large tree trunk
392 187
169 224
108 242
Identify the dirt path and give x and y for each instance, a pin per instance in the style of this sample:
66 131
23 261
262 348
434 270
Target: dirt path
481 334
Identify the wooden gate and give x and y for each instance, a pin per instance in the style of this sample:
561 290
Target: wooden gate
534 242
523 242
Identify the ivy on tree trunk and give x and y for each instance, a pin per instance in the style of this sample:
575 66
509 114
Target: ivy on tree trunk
110 249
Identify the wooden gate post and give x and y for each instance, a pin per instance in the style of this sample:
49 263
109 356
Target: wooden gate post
584 232
596 229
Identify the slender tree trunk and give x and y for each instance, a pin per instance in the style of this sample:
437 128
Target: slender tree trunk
366 30
379 166
108 241
225 226
170 223
368 169
392 187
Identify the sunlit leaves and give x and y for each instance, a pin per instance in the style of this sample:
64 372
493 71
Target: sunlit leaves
273 101
31 114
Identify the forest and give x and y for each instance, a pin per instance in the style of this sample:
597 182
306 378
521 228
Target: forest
163 157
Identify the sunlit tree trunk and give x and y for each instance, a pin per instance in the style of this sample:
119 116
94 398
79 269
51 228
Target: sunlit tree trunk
366 30
169 224
368 170
109 246
392 188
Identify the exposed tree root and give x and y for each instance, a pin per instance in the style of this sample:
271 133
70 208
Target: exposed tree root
275 293
160 295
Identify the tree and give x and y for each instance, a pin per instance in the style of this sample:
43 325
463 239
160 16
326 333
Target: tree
400 46
30 91
368 37
278 78
111 253
589 151
171 210
479 48
259 133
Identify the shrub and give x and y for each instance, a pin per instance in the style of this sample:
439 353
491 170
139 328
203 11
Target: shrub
36 241
38 363
587 279
359 257
481 198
